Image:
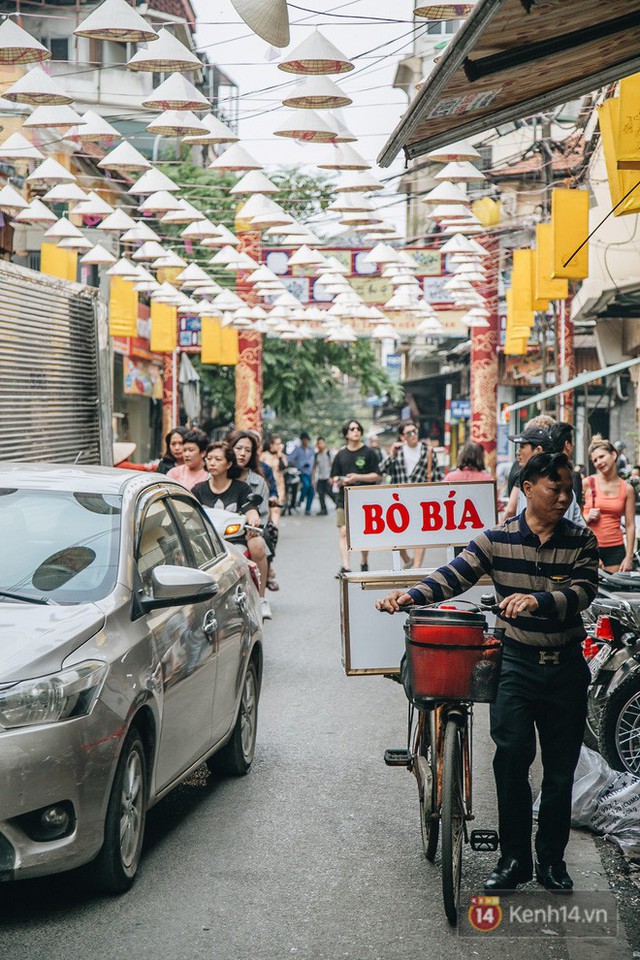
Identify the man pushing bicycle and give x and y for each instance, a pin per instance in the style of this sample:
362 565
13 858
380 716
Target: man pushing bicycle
544 569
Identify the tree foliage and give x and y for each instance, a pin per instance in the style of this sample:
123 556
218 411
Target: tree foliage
304 195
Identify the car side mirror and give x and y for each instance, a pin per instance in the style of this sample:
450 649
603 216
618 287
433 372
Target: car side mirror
173 586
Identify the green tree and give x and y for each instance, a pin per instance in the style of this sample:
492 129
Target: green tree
304 195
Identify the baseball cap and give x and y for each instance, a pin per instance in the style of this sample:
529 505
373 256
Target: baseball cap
536 436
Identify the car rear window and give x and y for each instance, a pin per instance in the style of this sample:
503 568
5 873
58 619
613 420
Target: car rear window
59 544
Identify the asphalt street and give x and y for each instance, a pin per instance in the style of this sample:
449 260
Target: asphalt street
316 853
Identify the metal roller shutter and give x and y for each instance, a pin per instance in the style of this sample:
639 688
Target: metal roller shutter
49 383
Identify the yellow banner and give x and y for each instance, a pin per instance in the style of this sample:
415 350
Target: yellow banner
544 285
168 274
164 328
230 346
628 152
58 262
620 181
123 308
570 229
211 340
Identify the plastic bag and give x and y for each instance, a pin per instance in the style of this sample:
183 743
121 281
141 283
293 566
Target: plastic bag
607 802
592 776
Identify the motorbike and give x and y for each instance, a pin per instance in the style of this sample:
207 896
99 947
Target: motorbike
232 526
612 650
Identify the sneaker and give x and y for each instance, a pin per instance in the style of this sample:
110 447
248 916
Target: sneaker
265 609
364 567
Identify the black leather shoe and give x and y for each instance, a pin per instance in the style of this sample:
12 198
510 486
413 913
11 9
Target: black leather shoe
554 877
507 875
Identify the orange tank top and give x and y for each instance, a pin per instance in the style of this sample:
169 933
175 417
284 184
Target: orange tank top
607 527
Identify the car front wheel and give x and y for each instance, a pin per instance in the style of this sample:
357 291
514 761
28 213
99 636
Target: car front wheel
236 756
115 867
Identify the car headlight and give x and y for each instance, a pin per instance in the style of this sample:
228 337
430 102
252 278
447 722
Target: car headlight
58 696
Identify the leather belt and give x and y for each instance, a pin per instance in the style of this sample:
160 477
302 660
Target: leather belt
545 656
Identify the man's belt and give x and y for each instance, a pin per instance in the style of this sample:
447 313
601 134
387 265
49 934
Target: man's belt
546 656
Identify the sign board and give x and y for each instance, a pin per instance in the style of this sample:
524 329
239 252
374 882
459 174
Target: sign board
461 409
394 366
392 517
373 642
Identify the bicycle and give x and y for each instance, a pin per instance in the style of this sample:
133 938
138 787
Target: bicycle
439 751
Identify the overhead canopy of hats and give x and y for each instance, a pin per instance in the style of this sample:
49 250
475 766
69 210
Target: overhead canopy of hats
141 260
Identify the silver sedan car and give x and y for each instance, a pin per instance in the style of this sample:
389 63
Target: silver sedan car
130 653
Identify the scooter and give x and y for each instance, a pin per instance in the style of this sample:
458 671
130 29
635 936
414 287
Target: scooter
231 526
612 650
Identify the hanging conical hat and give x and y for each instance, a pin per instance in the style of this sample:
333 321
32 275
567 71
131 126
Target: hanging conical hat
36 212
124 157
461 150
65 193
315 55
37 87
152 181
11 200
460 171
306 125
176 93
218 132
117 221
316 93
358 182
176 123
75 243
116 20
437 10
254 182
62 116
93 206
61 230
268 18
17 147
446 192
345 158
50 171
94 128
165 55
98 255
235 158
19 47
139 232
159 202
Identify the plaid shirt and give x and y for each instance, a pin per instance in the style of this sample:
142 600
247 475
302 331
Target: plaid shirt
395 469
561 573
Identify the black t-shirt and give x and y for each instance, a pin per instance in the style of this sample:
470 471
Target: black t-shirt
236 494
347 461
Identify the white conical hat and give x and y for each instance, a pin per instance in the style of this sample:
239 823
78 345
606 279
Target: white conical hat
62 229
345 158
36 212
171 259
450 211
176 123
317 93
93 206
124 157
10 199
176 93
123 268
235 158
117 221
50 171
254 182
446 192
93 128
152 181
185 212
437 10
382 253
272 216
218 132
315 55
199 229
19 47
305 257
17 147
139 232
460 171
62 116
65 193
37 87
256 204
358 182
116 20
98 255
165 55
75 243
308 126
268 18
149 250
159 202
350 203
455 151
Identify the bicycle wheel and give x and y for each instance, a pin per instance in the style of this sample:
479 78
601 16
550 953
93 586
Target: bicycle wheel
427 786
452 817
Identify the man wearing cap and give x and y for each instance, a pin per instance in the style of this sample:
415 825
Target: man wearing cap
531 441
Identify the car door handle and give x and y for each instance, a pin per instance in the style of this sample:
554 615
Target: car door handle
210 625
240 597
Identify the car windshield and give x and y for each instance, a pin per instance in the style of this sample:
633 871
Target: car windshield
59 545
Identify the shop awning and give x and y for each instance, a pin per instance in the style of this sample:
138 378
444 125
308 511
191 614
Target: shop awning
514 58
572 384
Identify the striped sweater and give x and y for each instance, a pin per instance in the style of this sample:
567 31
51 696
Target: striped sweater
562 574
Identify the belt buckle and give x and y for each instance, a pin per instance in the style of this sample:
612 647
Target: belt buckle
552 656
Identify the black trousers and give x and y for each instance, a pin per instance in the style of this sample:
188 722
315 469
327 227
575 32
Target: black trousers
324 490
553 699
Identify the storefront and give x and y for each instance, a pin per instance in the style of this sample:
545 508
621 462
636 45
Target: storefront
137 393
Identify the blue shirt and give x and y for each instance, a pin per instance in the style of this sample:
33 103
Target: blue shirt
302 458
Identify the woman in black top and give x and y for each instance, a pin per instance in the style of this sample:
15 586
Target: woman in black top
173 452
224 491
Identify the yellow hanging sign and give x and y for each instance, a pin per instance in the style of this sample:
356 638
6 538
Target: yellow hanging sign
621 182
211 340
164 328
544 285
570 229
123 308
57 262
230 346
628 152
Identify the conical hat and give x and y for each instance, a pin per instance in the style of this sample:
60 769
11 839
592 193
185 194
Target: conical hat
116 20
18 46
62 116
98 255
254 182
437 10
316 55
317 93
17 147
235 158
345 158
124 157
176 93
94 128
219 132
36 212
308 126
176 123
152 181
10 199
50 171
65 193
37 87
268 18
165 55
461 150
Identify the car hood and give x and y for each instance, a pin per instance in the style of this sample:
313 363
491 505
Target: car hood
34 640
